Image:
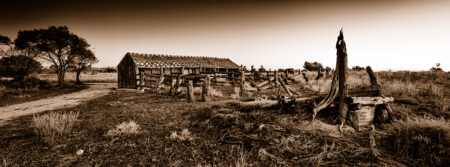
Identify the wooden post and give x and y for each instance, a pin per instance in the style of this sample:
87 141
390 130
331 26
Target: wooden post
319 74
268 78
276 79
215 75
179 80
232 78
205 90
172 90
190 91
226 72
372 76
160 83
242 84
383 116
141 79
342 61
327 72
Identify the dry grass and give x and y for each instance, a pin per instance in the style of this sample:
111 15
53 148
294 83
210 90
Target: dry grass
125 128
424 140
185 135
223 135
84 77
53 125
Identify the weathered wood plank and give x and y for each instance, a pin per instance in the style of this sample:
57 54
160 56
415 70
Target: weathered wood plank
370 100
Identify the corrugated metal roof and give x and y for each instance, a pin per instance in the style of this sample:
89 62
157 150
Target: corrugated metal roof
158 60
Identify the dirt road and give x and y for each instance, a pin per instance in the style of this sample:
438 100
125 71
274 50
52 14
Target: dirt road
52 103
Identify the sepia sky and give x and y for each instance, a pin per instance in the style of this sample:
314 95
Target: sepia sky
397 35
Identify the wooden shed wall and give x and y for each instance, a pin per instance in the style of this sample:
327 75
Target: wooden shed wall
126 71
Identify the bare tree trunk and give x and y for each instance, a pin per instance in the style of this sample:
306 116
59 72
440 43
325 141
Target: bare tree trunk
78 77
61 74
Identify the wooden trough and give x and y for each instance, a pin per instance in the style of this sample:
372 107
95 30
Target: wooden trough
362 110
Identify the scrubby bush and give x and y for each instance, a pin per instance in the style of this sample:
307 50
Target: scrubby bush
315 66
358 68
18 67
53 125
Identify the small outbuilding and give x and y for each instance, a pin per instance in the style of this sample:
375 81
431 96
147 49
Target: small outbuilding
134 65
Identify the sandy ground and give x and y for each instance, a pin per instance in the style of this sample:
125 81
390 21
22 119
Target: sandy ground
56 102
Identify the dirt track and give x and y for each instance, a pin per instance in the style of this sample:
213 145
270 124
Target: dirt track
52 103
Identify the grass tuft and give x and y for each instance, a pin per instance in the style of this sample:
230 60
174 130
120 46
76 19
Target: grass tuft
125 128
53 125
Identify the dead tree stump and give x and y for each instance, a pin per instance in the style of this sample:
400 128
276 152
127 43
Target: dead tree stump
342 60
205 89
190 91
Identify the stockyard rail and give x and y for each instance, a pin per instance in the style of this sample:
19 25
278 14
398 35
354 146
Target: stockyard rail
152 72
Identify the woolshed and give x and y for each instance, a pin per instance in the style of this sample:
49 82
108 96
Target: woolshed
135 65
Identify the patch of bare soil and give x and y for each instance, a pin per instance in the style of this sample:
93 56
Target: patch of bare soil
56 102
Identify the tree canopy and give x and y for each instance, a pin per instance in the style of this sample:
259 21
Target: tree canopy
56 45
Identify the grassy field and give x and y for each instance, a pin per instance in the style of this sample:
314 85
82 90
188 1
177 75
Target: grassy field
88 77
128 127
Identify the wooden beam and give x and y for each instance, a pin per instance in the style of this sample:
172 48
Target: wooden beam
285 87
370 100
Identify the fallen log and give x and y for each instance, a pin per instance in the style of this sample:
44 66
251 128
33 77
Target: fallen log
273 104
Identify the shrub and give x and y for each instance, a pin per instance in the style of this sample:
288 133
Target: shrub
53 125
315 66
423 139
125 128
44 84
18 67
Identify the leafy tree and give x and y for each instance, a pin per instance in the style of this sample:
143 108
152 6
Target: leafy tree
437 68
6 46
84 59
14 67
358 68
315 66
55 44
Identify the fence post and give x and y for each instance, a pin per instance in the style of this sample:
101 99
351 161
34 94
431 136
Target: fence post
190 91
172 90
276 79
160 83
141 79
242 84
205 91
